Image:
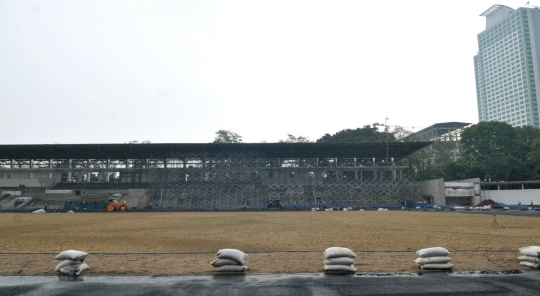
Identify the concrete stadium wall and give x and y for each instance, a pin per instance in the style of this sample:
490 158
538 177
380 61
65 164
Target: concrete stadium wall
433 188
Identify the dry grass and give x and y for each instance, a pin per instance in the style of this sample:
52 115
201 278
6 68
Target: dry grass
261 231
163 240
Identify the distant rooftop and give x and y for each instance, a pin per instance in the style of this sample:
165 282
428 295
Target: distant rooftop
447 131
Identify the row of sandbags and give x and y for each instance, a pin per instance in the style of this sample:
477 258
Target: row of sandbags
434 259
530 257
230 260
338 259
73 262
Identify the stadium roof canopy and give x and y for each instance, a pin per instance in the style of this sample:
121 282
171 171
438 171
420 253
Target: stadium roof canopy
396 150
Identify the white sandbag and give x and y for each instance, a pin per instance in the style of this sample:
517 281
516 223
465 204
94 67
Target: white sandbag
528 259
430 260
71 212
338 261
530 251
223 262
348 268
344 209
71 255
233 268
334 252
66 263
529 264
437 266
232 254
74 269
40 211
432 252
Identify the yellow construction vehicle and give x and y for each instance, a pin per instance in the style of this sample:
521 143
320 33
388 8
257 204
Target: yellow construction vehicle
113 204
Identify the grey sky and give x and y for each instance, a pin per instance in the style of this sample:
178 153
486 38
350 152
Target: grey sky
178 71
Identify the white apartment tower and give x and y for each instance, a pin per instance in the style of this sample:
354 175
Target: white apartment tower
507 66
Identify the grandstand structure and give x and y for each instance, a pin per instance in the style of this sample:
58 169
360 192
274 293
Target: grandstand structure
220 176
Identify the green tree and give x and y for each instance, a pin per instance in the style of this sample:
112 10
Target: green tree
227 136
533 158
366 134
430 161
526 149
499 150
400 133
487 138
293 139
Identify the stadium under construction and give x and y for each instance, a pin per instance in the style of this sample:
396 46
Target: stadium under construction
214 176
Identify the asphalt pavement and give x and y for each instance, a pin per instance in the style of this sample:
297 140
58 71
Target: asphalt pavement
462 283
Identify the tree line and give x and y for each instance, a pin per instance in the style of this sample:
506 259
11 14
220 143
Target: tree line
488 150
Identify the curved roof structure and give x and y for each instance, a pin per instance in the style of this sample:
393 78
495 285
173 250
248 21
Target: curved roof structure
496 13
396 150
494 8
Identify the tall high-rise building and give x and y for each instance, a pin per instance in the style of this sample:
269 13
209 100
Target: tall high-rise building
507 66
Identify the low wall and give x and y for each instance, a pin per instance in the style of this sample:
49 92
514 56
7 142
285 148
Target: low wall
59 191
18 182
514 196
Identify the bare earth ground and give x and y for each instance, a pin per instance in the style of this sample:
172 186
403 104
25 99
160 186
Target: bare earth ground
276 242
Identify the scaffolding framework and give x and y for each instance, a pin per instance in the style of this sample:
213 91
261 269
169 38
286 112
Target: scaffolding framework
238 180
222 175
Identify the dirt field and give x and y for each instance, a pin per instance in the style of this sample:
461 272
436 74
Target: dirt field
276 242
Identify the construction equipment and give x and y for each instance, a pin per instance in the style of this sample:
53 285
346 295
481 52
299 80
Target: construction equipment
114 204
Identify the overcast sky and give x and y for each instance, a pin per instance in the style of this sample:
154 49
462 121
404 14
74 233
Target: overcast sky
178 71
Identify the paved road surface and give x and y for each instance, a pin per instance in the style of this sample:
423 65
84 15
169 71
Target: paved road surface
527 283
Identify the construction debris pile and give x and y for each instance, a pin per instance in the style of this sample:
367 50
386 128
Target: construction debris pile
434 259
73 263
338 259
530 257
230 260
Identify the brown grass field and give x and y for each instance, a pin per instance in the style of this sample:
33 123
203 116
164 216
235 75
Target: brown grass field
276 242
